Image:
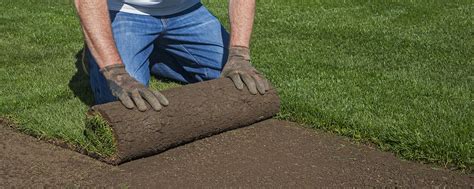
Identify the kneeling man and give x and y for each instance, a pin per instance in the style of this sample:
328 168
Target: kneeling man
130 40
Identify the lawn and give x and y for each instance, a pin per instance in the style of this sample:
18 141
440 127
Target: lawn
398 74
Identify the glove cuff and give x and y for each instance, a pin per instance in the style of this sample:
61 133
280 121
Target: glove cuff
113 70
239 51
112 67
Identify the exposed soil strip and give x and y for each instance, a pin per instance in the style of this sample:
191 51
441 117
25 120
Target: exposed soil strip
195 111
267 154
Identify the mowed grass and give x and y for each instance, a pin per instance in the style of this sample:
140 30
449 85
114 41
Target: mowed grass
398 74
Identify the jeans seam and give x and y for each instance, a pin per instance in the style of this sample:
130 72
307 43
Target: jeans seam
164 22
195 60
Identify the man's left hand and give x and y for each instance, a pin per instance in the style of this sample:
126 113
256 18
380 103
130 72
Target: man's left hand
239 69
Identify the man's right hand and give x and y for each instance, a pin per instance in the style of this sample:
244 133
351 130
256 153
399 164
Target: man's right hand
129 91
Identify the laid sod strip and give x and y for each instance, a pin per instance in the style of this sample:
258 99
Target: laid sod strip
195 111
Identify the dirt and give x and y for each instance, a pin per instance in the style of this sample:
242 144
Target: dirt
195 111
267 154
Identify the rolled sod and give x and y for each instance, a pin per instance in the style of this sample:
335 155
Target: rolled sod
195 111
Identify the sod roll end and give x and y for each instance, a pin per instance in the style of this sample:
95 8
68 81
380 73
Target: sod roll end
195 111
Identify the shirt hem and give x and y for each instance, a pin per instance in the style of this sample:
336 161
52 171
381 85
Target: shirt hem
116 5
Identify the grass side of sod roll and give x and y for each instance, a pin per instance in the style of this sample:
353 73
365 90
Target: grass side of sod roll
398 73
100 136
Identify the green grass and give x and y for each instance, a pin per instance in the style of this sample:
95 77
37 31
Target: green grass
100 136
398 74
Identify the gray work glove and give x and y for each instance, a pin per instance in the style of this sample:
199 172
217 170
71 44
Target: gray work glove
126 89
239 69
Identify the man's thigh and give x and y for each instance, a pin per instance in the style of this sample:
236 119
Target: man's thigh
197 44
134 37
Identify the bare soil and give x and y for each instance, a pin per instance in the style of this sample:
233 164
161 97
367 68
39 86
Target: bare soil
267 154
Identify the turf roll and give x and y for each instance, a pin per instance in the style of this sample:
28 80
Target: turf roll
195 111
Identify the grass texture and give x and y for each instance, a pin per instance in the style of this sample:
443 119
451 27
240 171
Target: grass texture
100 136
398 74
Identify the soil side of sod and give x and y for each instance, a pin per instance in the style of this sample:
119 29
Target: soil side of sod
195 111
271 153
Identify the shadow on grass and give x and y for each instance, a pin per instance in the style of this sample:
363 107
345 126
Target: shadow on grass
79 83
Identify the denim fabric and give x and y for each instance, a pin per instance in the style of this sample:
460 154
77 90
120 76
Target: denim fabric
188 47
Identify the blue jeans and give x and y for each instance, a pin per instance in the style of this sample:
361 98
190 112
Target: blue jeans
187 47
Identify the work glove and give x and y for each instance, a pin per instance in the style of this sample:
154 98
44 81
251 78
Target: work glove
129 91
240 70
